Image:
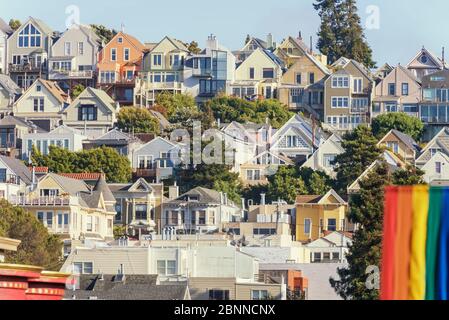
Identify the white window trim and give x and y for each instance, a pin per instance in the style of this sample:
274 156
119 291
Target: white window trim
338 77
361 84
340 97
124 54
115 54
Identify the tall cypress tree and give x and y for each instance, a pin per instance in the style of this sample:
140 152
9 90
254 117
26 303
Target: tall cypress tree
341 33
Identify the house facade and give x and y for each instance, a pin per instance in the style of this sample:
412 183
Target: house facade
93 113
70 209
12 133
297 139
317 214
401 144
259 75
210 72
156 160
425 63
162 71
42 103
348 95
9 93
332 248
252 44
138 206
437 168
199 211
434 105
302 86
324 157
63 137
119 63
15 178
73 58
29 48
437 144
399 91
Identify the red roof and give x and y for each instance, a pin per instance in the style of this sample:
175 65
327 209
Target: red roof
82 176
39 169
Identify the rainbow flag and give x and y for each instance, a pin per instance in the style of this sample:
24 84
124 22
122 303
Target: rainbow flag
415 253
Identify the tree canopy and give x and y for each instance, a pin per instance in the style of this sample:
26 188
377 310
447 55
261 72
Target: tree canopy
137 120
14 24
38 247
116 167
193 47
360 151
77 90
341 33
400 121
103 32
229 109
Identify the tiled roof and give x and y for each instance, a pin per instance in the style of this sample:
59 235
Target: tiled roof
82 176
39 169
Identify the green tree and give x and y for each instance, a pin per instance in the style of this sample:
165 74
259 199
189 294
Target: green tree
137 120
38 247
116 167
14 24
341 33
361 151
400 121
103 32
286 185
176 105
77 90
193 47
229 109
366 210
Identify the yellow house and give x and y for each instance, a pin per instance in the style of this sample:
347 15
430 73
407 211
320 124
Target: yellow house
291 49
317 214
71 209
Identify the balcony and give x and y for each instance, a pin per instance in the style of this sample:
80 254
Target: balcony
146 173
26 68
10 179
359 109
44 201
64 74
202 72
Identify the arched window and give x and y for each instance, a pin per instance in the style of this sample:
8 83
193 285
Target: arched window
29 37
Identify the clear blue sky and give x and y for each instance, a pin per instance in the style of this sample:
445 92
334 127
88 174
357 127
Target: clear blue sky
405 25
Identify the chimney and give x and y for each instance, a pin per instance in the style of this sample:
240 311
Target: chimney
269 41
300 35
173 192
225 196
212 42
262 199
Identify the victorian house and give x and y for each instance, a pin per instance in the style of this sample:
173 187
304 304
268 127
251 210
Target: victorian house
29 49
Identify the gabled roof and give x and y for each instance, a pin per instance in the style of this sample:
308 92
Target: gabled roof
41 25
174 145
18 168
304 127
260 43
436 60
443 134
72 186
281 157
52 87
16 121
406 139
319 199
88 31
179 45
116 134
207 196
101 95
9 85
136 43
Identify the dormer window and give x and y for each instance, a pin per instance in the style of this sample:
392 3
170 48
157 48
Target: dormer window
193 198
29 37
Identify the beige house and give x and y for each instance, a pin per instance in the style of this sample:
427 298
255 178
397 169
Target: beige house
399 91
425 63
71 209
162 71
348 94
401 144
291 49
42 104
93 112
302 85
260 74
138 206
324 156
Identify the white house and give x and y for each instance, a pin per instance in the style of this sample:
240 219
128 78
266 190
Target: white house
42 104
297 139
437 168
62 136
15 178
323 158
331 248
